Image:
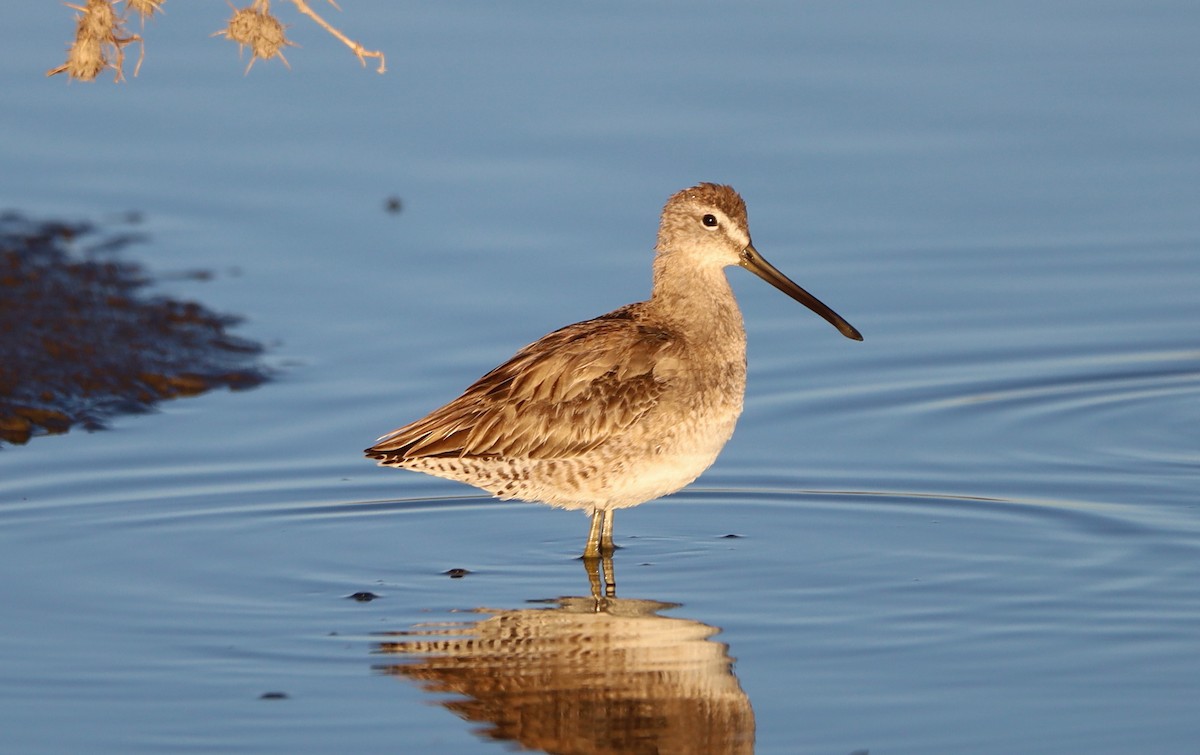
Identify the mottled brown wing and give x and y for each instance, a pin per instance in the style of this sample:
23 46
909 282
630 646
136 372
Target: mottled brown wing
560 396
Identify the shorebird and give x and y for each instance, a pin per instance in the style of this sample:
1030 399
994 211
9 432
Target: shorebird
615 411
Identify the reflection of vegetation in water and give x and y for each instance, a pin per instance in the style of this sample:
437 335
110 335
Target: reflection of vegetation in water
586 675
80 341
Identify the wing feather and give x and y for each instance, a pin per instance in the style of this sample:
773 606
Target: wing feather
562 395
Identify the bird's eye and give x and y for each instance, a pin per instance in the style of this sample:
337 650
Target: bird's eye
709 221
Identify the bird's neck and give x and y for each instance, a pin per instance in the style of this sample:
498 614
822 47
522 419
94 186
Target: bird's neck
698 299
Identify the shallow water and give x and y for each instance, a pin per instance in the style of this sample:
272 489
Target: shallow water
978 530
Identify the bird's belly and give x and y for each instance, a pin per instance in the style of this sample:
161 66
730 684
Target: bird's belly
614 475
652 478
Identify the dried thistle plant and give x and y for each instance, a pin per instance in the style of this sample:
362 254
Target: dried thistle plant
100 39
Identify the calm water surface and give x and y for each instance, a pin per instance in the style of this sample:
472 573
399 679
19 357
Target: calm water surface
977 531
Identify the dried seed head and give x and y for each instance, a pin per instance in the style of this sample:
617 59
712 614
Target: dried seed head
242 26
270 39
86 59
144 8
99 20
100 39
256 28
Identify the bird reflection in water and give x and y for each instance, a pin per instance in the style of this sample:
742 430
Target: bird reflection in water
596 674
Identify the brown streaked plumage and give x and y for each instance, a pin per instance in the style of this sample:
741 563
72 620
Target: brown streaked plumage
632 405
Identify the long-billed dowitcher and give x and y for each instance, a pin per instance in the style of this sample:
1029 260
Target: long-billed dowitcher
615 411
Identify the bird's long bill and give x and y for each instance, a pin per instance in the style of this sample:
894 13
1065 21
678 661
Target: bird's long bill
755 263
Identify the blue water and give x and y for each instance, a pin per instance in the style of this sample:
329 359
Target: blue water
978 530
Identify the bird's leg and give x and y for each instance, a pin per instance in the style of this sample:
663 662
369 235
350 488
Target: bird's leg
606 544
592 549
